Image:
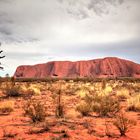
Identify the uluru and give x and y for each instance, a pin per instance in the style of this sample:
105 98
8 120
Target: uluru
109 67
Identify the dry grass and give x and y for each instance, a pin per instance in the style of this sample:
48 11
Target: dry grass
68 104
84 108
123 93
134 103
6 107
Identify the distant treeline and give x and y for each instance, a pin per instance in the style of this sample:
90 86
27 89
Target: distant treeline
53 79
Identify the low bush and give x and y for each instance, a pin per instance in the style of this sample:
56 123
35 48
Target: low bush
102 105
12 92
84 108
36 110
106 106
123 124
11 89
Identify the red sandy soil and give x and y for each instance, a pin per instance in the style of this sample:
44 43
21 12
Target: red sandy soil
75 126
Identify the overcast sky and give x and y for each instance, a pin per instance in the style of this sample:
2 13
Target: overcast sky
38 31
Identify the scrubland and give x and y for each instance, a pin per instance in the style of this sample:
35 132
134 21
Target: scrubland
70 109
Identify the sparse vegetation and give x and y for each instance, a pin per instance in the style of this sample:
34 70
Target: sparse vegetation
106 106
102 105
12 91
123 124
71 106
36 110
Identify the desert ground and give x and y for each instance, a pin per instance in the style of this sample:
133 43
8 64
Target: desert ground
70 109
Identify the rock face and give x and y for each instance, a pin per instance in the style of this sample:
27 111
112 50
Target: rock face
98 68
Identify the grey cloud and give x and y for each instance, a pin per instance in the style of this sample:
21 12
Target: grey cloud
81 9
29 20
5 24
101 7
81 14
18 19
5 31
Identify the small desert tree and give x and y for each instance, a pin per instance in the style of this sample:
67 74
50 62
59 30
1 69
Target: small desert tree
1 56
57 97
59 112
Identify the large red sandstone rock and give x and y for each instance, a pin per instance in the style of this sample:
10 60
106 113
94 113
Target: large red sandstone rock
107 67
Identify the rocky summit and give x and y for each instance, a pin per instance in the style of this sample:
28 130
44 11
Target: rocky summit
98 68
